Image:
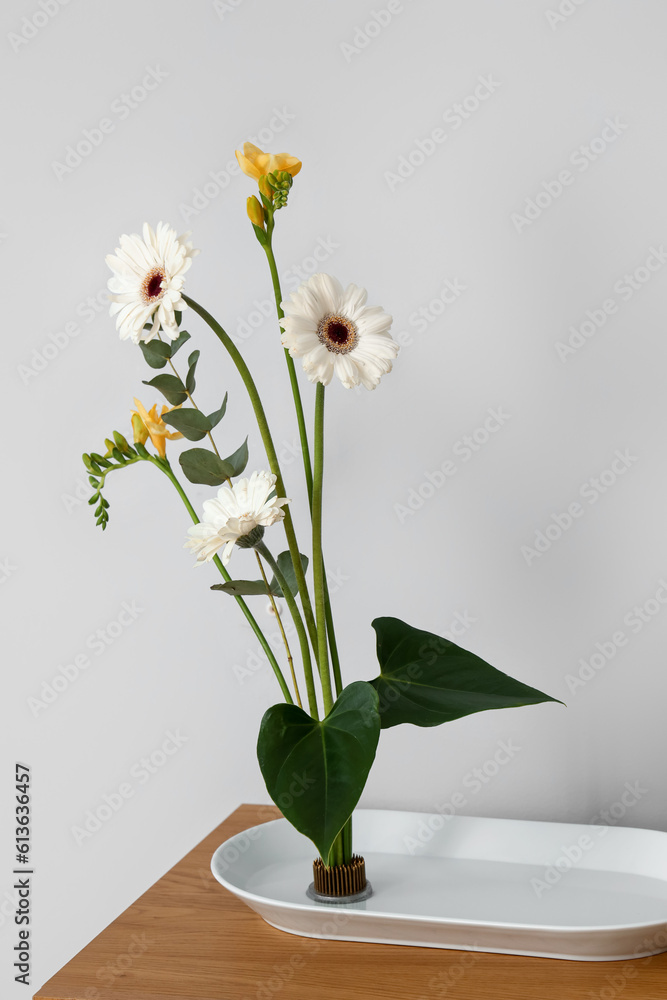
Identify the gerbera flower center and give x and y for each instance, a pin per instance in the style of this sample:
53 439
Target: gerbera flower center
152 286
337 333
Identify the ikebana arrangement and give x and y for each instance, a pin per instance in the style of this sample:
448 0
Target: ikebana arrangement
323 730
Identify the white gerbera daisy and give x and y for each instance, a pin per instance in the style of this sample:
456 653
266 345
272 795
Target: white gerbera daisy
147 281
233 514
335 332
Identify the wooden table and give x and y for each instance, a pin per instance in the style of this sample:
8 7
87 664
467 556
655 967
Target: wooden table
187 938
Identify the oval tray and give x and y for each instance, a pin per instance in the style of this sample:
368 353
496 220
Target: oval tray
554 890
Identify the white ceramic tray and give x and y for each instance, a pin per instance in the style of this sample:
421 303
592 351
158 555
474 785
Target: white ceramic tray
555 890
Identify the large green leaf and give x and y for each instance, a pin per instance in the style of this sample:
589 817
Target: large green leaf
203 466
192 423
427 680
315 771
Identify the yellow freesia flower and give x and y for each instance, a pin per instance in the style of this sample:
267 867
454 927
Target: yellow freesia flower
256 163
148 423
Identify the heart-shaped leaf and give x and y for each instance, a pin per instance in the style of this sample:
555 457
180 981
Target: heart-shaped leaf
426 680
203 466
192 424
171 388
315 771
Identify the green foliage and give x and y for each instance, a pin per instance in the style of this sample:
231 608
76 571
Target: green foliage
203 466
426 680
171 388
315 771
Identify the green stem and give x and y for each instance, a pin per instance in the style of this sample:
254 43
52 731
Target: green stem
318 562
165 467
331 635
298 622
296 393
272 457
305 450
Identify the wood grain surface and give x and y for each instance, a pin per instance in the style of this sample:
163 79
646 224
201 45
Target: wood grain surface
187 937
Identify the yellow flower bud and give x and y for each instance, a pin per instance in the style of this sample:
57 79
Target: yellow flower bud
265 187
255 212
140 430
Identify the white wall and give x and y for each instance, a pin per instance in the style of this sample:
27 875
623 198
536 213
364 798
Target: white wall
353 114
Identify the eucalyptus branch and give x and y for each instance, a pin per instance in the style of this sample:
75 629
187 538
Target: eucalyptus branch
272 457
125 455
191 397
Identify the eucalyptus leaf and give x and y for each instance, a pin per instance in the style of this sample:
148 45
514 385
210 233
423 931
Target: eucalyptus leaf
217 416
286 567
156 353
426 680
203 466
315 771
171 388
239 459
190 383
176 345
191 423
239 588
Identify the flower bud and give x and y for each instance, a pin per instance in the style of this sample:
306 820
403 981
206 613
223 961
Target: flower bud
265 188
139 428
255 212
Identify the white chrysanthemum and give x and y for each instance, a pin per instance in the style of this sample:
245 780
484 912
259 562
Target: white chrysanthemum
235 512
335 332
147 281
